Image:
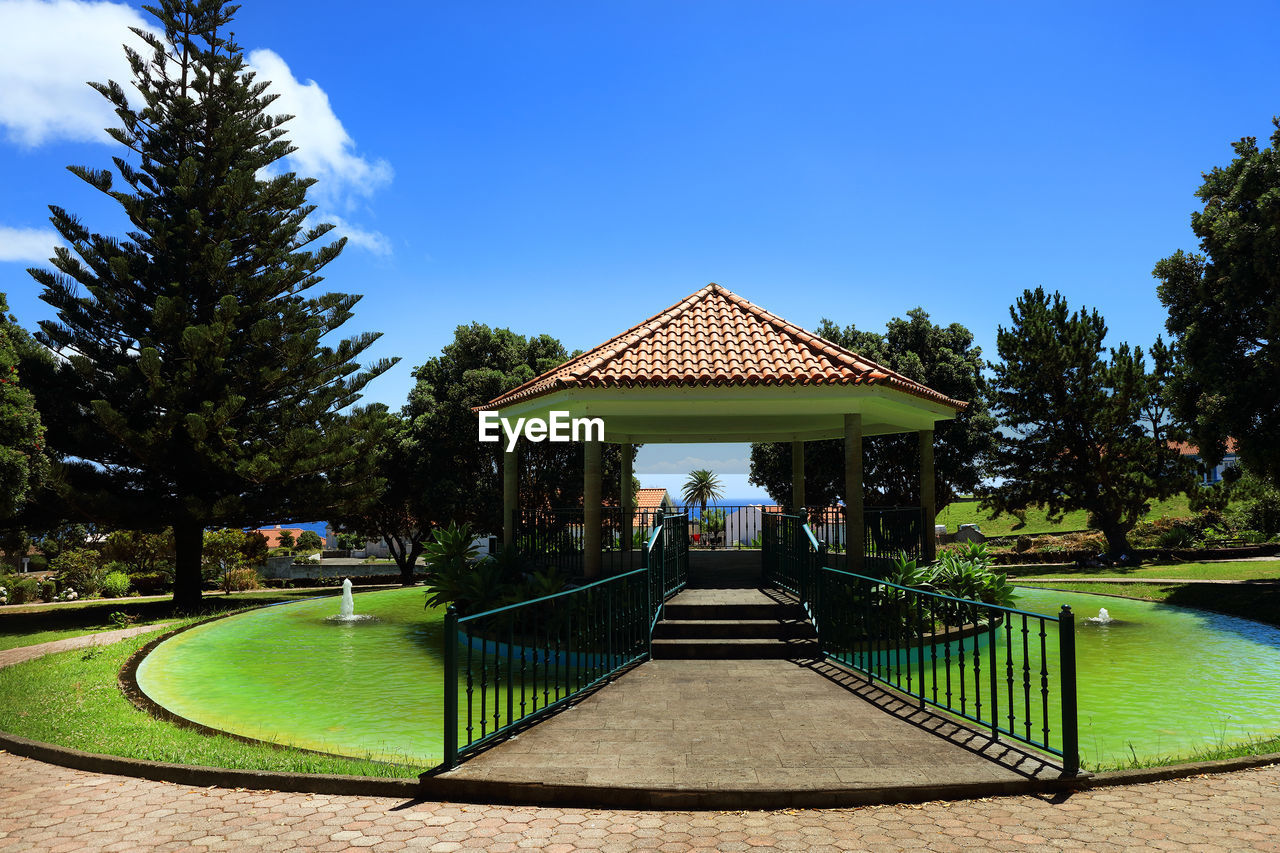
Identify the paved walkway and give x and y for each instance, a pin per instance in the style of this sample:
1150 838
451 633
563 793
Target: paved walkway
749 725
48 808
9 657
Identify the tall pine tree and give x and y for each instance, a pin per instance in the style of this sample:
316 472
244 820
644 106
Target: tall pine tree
1074 436
194 390
23 461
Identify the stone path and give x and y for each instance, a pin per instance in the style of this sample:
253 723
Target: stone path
749 725
9 657
48 808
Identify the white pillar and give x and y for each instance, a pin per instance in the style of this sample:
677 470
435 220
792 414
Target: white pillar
591 533
628 509
854 529
928 497
510 485
797 476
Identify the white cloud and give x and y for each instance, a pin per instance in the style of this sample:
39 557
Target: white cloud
372 241
48 52
50 49
27 245
325 150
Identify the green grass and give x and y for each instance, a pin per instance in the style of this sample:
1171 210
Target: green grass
967 512
72 699
1261 746
28 626
1260 603
1236 570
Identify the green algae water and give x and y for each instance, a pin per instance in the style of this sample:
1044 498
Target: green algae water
367 689
1158 681
1164 681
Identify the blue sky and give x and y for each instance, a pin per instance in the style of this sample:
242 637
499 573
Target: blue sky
572 168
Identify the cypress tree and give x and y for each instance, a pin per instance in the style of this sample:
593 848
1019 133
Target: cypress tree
194 390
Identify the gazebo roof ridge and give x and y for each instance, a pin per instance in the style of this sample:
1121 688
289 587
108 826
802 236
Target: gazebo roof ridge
763 349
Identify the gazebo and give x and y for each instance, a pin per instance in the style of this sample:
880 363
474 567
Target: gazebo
717 368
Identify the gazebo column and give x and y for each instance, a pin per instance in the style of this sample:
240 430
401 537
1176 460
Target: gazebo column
591 509
510 488
628 507
854 529
928 497
797 476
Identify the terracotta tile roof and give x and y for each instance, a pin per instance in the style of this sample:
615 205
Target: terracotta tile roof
715 338
272 534
650 498
1187 449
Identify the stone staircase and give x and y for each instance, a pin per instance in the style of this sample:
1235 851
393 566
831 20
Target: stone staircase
721 624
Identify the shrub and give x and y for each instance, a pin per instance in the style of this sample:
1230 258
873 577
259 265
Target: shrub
152 583
239 580
79 568
115 585
48 590
4 592
1177 537
25 591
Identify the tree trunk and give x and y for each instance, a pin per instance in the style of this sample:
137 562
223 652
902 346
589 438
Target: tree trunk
188 541
1117 539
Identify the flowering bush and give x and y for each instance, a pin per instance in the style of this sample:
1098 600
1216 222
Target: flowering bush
4 595
67 594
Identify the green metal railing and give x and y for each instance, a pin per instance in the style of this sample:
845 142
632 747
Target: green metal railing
994 666
507 667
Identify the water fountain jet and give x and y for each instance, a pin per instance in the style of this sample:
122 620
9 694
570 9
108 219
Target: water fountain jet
347 607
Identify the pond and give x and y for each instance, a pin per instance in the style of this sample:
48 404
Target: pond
1157 681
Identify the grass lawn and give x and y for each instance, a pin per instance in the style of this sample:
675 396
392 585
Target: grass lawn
1235 570
72 699
967 512
28 626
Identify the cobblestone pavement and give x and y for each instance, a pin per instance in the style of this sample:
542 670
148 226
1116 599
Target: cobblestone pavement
48 808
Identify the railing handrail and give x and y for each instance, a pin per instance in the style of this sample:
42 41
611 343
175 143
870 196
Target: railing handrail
918 591
560 594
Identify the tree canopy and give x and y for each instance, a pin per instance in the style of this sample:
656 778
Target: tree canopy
943 358
24 462
1224 311
465 475
1072 416
195 390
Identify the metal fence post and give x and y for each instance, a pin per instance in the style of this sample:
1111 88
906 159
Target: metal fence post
450 688
1070 719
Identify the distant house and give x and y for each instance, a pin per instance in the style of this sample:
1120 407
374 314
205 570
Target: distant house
651 505
1208 476
272 534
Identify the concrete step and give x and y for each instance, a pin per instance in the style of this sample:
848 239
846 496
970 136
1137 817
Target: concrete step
739 649
738 629
702 611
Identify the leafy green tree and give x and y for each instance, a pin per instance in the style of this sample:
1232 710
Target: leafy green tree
142 551
400 513
223 553
441 429
943 358
309 540
1224 311
195 391
285 539
24 462
1073 418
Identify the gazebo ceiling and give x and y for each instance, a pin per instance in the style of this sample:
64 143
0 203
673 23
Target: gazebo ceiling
715 367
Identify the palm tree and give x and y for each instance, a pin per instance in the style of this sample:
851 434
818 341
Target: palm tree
701 487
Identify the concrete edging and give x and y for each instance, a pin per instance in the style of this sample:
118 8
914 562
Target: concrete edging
442 788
